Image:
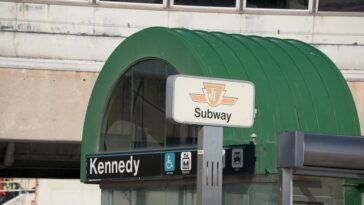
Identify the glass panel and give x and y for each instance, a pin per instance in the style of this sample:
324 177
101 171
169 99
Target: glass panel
116 133
148 104
212 3
185 195
341 5
306 191
248 193
318 191
138 1
135 114
178 135
278 4
240 193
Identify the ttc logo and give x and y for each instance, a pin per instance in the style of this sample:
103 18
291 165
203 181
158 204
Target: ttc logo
213 95
169 162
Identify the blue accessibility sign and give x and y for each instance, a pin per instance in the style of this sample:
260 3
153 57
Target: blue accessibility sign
169 162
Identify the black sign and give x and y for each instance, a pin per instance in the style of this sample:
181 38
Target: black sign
139 165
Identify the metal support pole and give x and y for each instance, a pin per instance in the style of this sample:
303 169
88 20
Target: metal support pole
209 166
285 195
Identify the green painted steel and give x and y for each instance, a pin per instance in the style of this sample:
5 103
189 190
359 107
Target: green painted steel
297 86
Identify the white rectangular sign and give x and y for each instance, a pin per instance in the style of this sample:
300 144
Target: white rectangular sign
210 101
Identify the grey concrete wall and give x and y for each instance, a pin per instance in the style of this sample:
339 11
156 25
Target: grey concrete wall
45 105
90 32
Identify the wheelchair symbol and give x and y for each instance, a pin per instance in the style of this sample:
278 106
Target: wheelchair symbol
169 162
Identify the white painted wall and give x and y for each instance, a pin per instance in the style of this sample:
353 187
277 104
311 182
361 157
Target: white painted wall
61 192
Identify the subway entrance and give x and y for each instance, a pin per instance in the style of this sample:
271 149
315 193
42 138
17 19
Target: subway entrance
138 156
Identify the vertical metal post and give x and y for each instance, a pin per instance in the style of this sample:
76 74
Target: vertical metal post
361 187
209 166
285 186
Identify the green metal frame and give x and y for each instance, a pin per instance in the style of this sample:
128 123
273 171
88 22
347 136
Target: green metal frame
297 86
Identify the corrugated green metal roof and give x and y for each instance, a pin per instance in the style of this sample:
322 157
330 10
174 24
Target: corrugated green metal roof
297 86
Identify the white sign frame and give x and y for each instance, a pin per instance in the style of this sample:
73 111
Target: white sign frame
175 109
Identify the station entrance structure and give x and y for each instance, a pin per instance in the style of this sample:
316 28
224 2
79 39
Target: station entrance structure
298 88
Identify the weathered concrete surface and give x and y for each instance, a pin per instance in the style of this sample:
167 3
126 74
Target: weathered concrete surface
44 105
76 32
357 90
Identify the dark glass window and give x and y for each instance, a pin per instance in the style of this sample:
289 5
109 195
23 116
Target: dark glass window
135 114
212 3
277 4
138 1
341 5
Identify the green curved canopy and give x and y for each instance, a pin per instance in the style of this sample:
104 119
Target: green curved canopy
297 86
